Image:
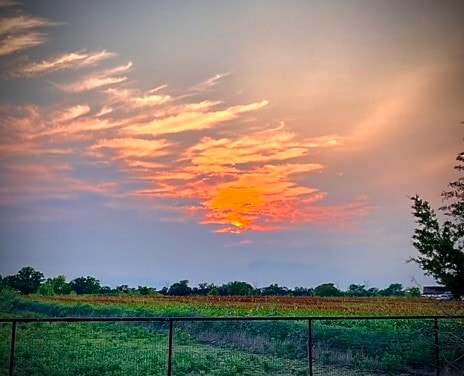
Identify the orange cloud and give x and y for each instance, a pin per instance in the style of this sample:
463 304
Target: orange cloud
270 144
248 179
194 120
130 148
260 200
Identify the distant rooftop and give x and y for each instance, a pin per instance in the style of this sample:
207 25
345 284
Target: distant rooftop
435 290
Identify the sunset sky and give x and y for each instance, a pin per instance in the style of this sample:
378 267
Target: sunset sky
265 141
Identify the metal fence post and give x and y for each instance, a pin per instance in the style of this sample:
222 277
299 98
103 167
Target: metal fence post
171 329
437 347
12 347
310 347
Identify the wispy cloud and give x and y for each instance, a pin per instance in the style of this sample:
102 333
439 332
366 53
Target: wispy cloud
241 243
98 79
210 82
134 99
26 182
15 43
194 120
16 24
131 148
267 145
18 33
8 3
72 60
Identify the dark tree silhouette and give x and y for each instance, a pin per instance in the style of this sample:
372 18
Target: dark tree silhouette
441 245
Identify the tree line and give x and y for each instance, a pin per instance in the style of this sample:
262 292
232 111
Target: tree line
30 281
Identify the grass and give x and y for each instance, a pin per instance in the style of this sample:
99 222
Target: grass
341 347
61 349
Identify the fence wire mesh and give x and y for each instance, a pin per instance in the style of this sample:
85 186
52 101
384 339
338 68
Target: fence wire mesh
374 347
234 346
451 345
5 346
240 348
69 349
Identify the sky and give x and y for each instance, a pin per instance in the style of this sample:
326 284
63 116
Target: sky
149 142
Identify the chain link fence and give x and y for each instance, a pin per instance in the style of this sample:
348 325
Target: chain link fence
233 346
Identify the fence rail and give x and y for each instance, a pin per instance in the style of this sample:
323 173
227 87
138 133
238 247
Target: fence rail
179 323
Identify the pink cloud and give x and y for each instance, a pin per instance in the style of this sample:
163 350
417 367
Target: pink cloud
194 120
248 179
21 42
134 99
130 148
98 79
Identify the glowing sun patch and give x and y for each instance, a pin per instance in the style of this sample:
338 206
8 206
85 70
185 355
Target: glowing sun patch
236 206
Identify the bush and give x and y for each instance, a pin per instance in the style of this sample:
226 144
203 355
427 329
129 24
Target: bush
9 298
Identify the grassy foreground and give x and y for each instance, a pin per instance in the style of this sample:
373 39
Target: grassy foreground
340 347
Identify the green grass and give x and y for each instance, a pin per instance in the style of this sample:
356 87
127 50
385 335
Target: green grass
60 349
341 347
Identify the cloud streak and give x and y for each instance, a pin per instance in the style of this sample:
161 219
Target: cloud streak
72 60
15 43
99 79
18 33
193 120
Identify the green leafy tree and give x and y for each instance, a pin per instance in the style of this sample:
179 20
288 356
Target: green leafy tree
238 288
275 290
213 292
412 292
124 289
203 289
357 290
180 288
395 289
441 244
146 290
327 289
46 289
59 284
85 285
27 280
105 290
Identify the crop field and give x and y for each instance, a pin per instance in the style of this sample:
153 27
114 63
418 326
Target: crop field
233 347
252 306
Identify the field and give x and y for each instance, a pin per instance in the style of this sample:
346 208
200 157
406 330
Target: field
264 347
251 306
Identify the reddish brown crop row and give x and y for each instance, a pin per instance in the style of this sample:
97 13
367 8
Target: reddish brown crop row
271 305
